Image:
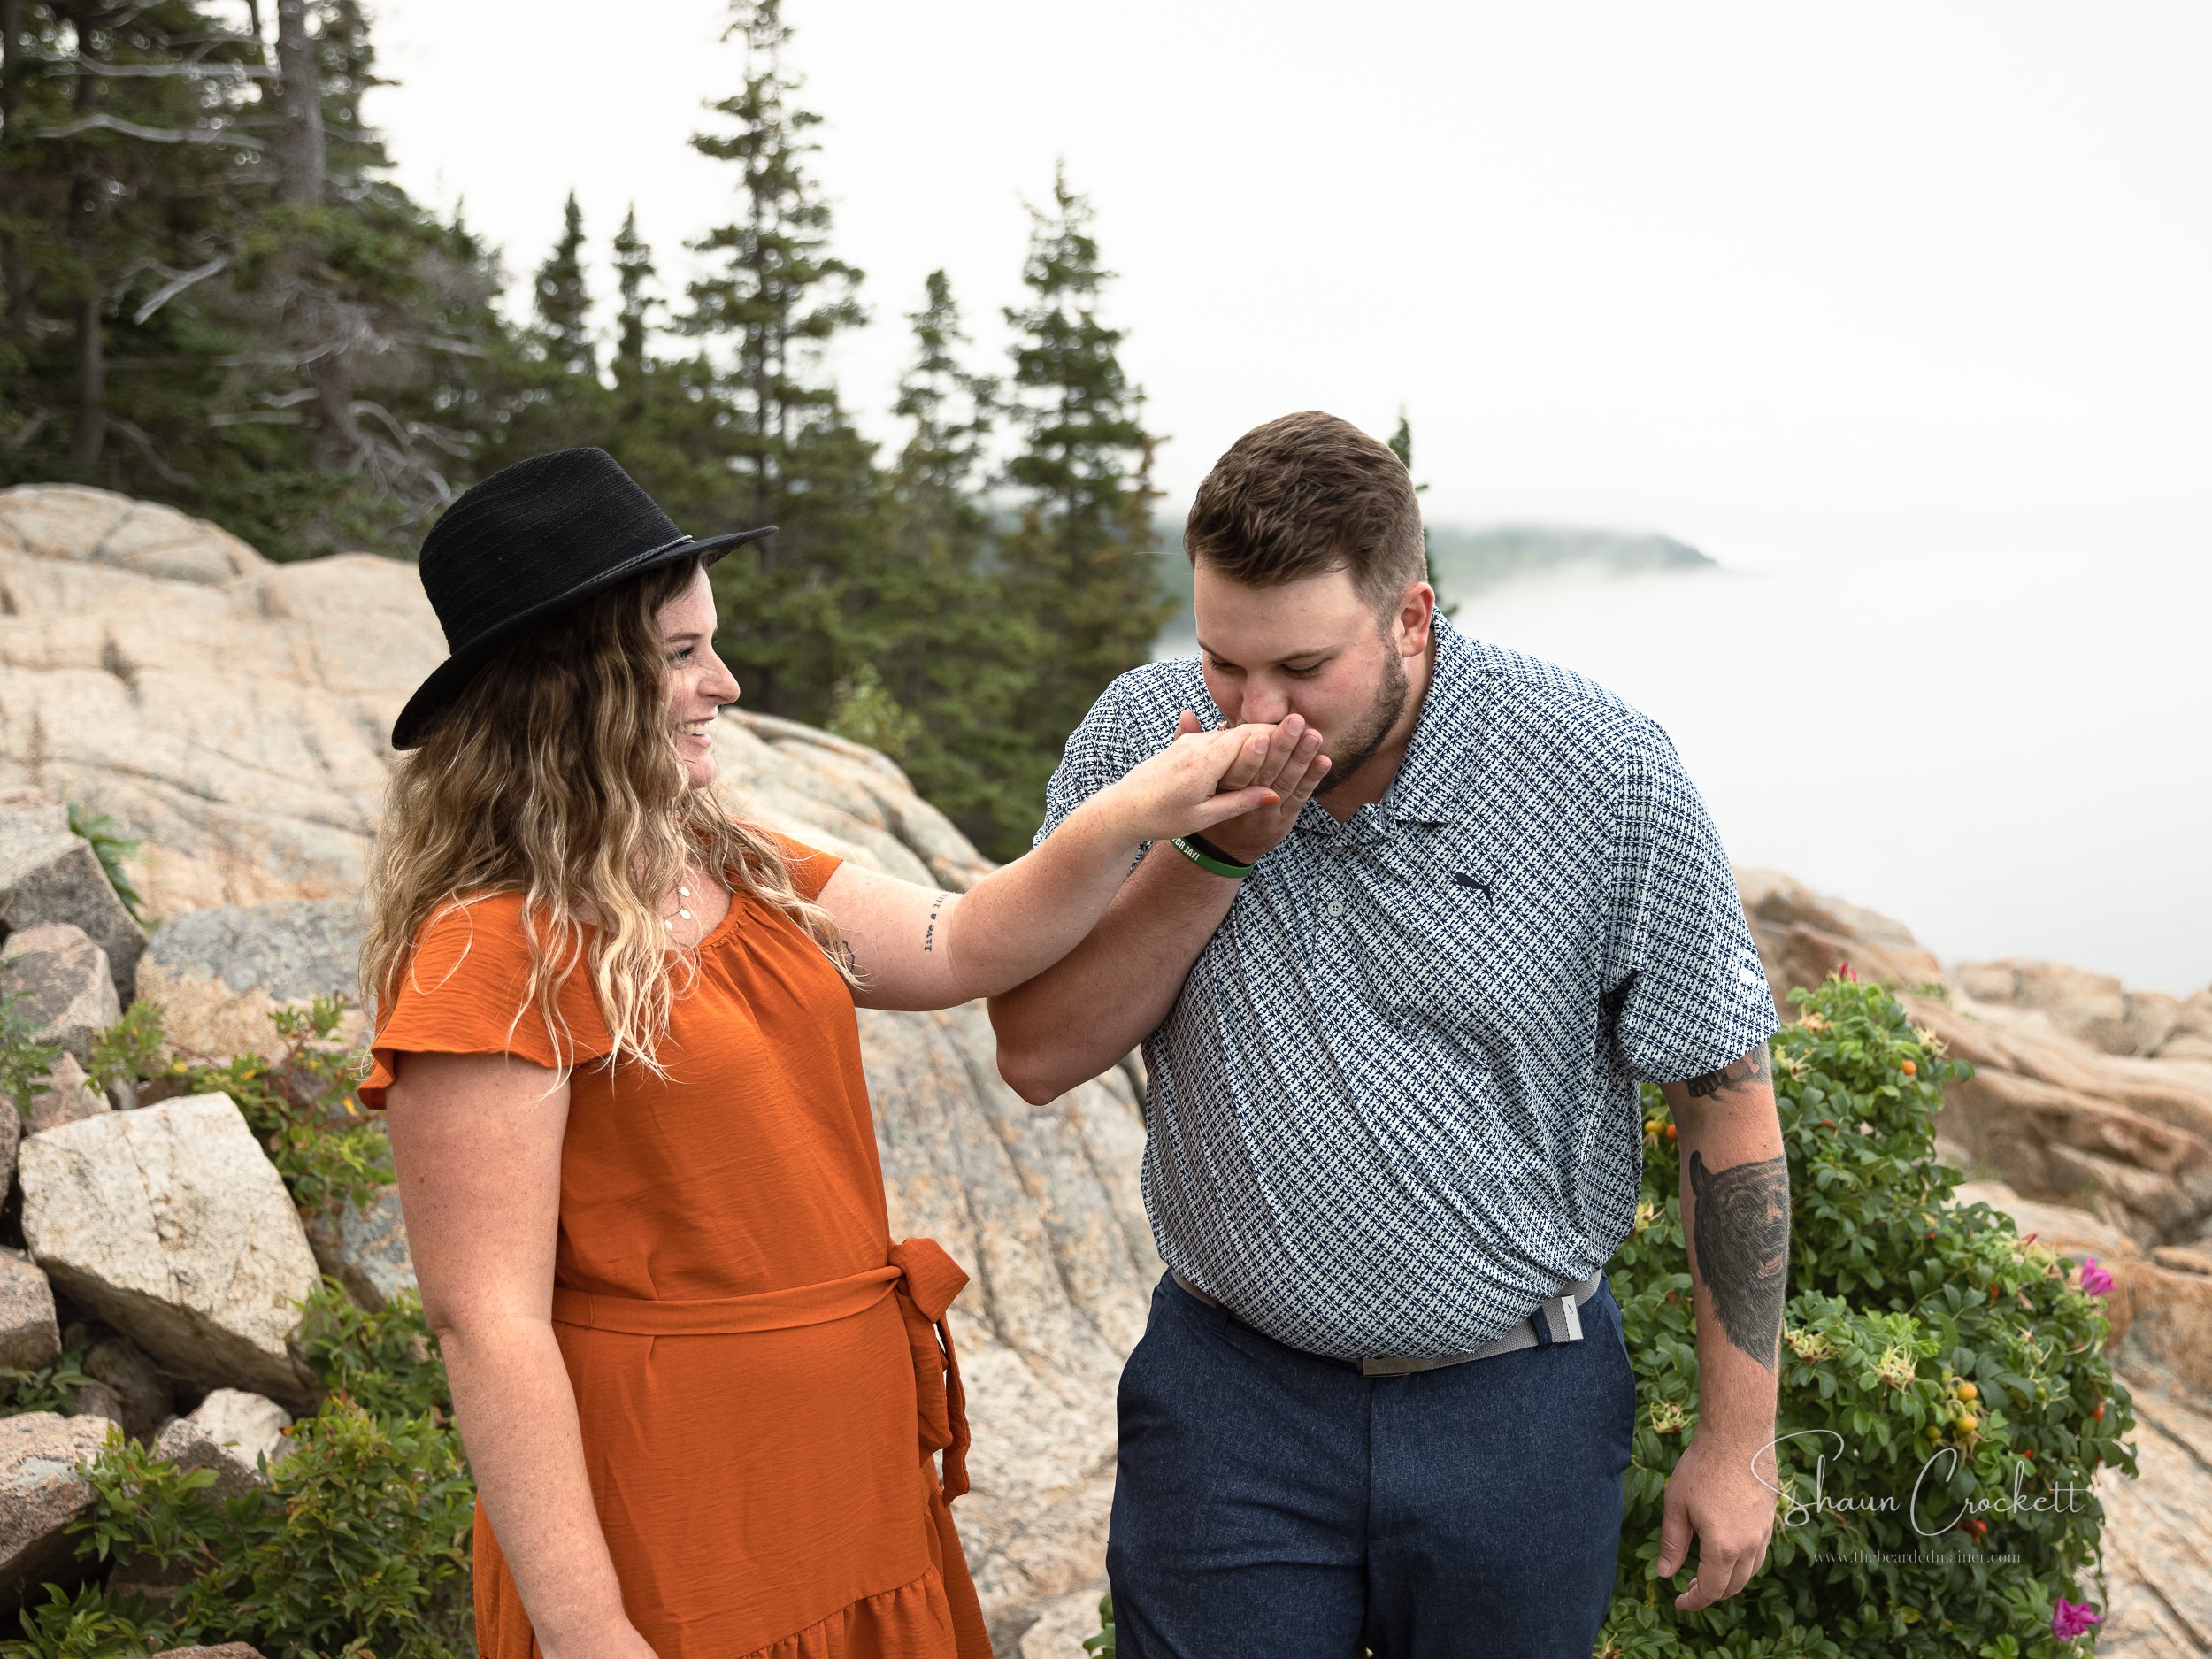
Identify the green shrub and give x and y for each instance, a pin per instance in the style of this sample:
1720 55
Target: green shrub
43 1387
25 1062
384 1359
359 1545
1918 1332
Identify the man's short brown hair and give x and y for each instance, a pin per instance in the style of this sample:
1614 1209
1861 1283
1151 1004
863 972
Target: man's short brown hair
1304 493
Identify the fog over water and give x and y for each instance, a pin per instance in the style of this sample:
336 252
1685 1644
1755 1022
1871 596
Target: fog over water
2006 753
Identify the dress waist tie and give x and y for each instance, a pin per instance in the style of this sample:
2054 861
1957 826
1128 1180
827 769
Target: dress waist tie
920 1274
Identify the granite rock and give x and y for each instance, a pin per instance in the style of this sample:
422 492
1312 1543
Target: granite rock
60 982
30 1336
66 1097
40 1490
171 1224
49 874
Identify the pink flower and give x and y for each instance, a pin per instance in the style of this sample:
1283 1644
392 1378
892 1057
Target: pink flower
2070 1619
1846 973
2094 1280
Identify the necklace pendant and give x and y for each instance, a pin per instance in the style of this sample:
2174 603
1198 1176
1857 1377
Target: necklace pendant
685 914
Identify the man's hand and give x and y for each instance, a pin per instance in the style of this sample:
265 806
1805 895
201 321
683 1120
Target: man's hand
1292 764
1713 1495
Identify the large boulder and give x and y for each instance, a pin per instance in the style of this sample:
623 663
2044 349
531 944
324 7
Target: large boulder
171 1224
40 1490
233 712
59 982
48 872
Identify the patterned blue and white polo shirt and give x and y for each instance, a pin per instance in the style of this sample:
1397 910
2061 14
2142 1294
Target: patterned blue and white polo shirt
1395 1106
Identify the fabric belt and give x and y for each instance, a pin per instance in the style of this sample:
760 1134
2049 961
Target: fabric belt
1559 1319
920 1273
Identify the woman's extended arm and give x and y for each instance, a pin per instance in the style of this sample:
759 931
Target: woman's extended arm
917 948
476 1141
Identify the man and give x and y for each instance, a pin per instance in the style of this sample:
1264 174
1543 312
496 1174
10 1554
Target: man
1394 1034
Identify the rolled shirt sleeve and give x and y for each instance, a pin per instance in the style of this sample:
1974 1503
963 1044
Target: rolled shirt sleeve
1685 984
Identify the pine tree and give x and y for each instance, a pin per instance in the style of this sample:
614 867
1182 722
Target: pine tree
211 297
118 171
773 299
633 270
1402 446
563 306
1081 560
954 660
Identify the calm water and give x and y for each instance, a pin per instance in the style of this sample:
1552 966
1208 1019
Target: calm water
2010 758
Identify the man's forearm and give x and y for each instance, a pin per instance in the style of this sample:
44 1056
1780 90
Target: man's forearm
1081 1016
1736 1218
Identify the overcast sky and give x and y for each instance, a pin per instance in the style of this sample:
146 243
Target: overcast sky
1785 282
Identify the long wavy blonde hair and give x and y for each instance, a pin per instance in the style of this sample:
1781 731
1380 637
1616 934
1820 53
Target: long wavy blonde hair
556 774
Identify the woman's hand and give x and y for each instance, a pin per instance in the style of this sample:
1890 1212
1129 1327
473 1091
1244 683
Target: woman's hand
1203 778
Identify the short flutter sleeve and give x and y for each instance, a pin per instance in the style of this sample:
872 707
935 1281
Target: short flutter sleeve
465 990
810 867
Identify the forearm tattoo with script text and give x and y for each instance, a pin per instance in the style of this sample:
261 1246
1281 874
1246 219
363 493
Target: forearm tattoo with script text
1754 1069
929 928
1742 1231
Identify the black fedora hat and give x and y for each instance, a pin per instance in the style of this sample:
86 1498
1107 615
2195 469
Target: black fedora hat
533 539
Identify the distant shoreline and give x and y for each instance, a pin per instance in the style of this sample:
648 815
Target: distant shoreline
1467 560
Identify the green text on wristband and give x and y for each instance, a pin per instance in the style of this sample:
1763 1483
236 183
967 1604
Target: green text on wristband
1206 855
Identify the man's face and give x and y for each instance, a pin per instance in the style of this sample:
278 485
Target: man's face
1313 647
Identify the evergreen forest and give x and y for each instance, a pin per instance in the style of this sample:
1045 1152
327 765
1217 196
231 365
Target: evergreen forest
213 294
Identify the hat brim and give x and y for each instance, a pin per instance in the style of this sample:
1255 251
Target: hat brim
447 679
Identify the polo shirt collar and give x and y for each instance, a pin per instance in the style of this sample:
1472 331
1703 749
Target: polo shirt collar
1434 778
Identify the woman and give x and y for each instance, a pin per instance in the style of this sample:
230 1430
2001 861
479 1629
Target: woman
700 1388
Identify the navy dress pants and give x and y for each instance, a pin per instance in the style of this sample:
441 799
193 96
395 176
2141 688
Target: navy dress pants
1272 1504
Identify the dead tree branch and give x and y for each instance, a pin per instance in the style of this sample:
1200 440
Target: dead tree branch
179 281
153 134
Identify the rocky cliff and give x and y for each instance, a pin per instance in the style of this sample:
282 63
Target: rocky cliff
233 714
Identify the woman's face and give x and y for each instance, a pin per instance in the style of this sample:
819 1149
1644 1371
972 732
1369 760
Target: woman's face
698 684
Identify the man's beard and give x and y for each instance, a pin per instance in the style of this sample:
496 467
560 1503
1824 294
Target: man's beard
1382 714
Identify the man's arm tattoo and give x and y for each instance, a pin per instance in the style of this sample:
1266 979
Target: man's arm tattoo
1742 1231
1755 1068
929 928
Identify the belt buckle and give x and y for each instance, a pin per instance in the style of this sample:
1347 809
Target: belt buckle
1390 1365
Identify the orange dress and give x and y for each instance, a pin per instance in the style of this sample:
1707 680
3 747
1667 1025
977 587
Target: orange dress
763 1379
